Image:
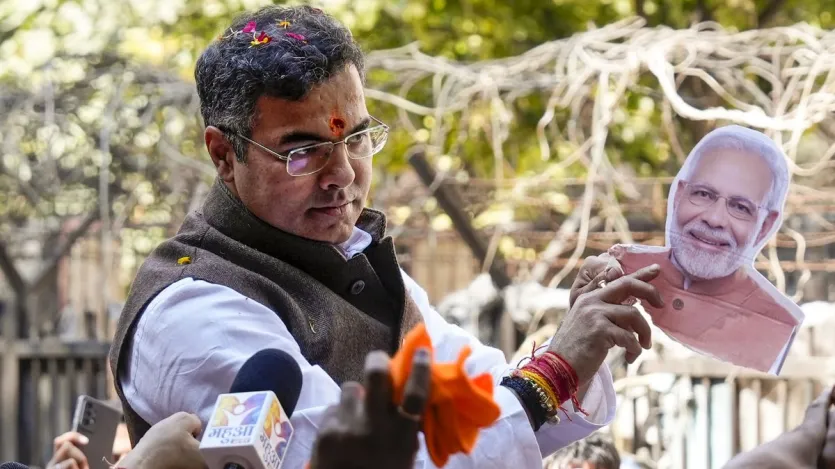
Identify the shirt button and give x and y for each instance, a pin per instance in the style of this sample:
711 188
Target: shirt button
678 304
357 287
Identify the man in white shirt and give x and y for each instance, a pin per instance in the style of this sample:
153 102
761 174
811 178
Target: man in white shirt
285 255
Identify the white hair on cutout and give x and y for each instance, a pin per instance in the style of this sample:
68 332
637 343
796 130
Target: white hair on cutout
735 137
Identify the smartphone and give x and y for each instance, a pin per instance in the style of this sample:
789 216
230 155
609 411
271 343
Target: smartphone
98 421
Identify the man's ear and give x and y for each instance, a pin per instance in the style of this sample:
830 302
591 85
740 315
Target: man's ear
221 152
768 224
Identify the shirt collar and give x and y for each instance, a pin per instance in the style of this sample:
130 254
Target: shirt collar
356 243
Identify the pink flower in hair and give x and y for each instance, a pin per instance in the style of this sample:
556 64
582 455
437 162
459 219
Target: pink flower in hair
295 36
249 28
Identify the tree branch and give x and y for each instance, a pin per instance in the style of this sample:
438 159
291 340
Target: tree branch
769 12
450 202
639 9
704 12
9 33
65 247
13 276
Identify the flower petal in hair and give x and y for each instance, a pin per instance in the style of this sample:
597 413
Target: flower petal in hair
249 28
284 24
263 38
295 36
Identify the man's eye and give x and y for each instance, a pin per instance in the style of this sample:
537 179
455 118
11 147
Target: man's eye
703 194
742 207
302 152
356 138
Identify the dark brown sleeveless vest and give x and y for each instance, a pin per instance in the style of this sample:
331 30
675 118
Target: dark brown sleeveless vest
337 309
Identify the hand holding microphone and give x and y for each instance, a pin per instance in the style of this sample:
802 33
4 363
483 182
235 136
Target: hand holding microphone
366 430
170 444
250 427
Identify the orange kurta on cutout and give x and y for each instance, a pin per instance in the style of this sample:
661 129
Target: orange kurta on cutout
458 407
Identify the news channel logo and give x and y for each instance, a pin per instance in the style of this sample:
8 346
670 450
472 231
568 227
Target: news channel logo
231 412
278 429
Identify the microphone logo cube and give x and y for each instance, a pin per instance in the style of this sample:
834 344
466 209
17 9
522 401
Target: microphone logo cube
250 429
231 412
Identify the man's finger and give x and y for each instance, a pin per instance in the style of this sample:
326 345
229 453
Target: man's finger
330 419
73 437
417 387
187 422
378 388
828 452
634 285
591 267
627 340
815 420
66 464
585 280
587 288
603 268
350 408
326 445
647 273
71 456
630 319
613 270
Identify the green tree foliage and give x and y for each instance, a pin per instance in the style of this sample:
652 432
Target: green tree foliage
86 81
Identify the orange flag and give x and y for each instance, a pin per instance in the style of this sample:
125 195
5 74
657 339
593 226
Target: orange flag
458 407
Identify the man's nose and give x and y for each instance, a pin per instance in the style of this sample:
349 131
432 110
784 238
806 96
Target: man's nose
716 216
338 172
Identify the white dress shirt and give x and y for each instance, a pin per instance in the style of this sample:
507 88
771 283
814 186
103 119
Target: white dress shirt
194 336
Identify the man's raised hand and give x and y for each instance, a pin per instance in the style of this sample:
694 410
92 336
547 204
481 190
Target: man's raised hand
598 320
367 429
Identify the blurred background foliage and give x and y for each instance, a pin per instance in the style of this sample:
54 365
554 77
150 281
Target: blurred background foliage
97 96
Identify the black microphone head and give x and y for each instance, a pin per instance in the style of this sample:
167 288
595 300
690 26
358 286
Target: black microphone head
271 370
13 465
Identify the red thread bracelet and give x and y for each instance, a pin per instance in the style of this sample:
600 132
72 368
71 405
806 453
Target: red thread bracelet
560 376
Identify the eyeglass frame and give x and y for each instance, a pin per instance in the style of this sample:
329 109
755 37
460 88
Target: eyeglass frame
757 207
288 157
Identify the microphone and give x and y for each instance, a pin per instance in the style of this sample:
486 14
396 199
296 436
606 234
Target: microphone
250 427
13 465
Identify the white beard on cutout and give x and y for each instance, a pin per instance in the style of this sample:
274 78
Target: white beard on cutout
702 264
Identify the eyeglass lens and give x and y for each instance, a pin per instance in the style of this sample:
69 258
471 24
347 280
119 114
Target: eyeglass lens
738 207
312 158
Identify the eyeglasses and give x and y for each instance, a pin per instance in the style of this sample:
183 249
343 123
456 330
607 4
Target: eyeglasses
310 159
739 207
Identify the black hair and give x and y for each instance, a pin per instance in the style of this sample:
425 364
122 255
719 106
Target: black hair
306 47
596 449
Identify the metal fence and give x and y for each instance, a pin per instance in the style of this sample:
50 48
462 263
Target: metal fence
709 411
40 381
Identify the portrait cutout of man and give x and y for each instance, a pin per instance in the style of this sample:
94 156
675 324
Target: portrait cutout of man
726 202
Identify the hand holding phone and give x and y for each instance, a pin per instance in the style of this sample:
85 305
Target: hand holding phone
67 453
96 421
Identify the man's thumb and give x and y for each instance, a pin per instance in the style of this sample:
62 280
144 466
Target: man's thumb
187 422
816 414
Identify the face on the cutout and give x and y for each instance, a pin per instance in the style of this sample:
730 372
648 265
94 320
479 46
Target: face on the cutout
718 216
323 206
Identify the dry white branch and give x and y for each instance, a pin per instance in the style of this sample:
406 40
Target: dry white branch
592 70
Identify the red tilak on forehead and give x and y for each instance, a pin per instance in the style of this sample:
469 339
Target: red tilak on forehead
337 125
